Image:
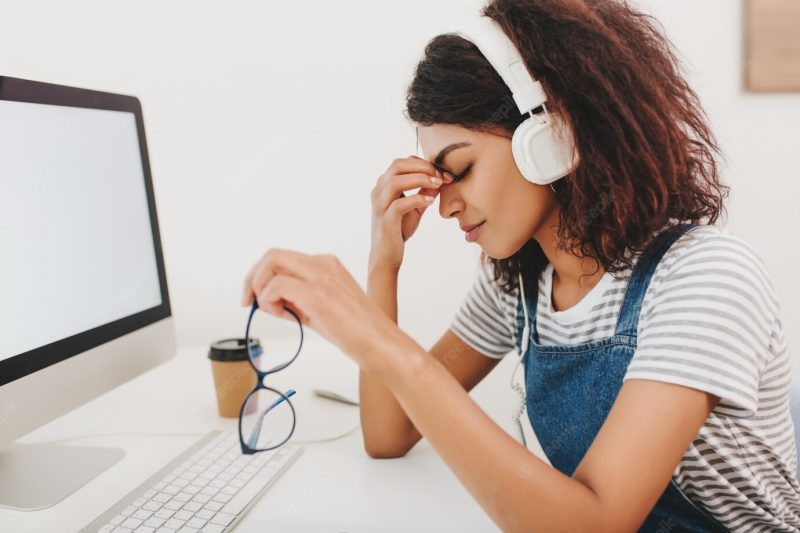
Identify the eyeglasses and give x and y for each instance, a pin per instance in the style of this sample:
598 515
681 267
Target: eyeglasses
267 417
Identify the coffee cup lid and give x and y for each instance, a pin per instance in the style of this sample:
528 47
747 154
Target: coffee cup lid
232 349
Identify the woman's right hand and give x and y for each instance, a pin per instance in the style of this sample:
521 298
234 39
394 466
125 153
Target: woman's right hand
395 216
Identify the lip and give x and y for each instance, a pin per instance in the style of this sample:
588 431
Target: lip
474 232
471 226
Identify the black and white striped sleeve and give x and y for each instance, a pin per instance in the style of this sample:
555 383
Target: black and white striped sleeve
708 323
483 320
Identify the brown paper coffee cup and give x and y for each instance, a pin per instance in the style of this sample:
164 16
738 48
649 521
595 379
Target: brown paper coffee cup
234 377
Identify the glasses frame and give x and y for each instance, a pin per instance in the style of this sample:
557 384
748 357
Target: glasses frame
246 448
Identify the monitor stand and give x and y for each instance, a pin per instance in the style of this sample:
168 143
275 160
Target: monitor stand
36 476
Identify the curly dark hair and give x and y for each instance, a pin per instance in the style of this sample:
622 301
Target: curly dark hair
647 153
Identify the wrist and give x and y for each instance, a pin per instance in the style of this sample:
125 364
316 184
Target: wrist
376 268
382 278
400 360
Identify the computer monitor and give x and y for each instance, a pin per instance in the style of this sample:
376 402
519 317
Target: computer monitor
84 305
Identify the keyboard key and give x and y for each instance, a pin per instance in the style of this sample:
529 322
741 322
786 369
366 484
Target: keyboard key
129 510
223 519
142 514
173 505
214 506
224 498
183 515
164 514
154 522
162 497
152 505
173 523
229 490
117 520
201 498
196 523
205 514
131 523
213 528
192 489
193 506
182 497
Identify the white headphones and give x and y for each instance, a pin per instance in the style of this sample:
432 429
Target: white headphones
542 146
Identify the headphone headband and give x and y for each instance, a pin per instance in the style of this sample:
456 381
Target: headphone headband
501 53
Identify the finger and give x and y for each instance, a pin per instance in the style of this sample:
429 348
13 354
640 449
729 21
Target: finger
445 176
404 205
278 261
286 290
409 165
395 185
303 318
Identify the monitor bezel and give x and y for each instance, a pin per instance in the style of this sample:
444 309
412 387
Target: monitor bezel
35 92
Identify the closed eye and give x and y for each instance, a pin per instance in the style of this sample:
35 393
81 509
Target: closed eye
463 174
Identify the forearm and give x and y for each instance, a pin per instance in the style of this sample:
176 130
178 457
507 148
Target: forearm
517 489
385 426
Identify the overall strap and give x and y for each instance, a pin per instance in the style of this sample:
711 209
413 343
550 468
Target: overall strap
628 320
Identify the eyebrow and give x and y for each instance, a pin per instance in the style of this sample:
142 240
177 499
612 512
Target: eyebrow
446 150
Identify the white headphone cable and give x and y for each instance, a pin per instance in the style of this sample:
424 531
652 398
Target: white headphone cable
524 348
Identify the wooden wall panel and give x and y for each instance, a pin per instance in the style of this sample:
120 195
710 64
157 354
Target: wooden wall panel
772 44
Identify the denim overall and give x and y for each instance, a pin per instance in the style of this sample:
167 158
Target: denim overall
570 390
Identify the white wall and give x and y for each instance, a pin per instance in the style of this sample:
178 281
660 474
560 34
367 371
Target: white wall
269 122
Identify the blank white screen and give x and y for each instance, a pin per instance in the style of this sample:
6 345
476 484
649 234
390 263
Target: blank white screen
76 247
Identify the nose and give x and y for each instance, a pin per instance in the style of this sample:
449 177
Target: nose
450 202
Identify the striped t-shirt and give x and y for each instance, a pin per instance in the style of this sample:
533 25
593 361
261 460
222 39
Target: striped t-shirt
710 320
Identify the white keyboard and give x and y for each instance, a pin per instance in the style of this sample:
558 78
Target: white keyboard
207 489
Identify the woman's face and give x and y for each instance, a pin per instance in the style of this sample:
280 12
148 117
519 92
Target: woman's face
492 191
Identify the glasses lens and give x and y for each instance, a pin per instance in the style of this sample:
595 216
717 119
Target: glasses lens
279 340
267 420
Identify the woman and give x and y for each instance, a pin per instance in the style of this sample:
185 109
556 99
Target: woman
655 368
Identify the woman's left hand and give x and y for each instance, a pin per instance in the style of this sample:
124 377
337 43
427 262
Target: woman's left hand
323 294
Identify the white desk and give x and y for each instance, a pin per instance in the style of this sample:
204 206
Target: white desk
333 486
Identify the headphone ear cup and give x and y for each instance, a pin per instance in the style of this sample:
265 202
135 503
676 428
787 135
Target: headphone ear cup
544 152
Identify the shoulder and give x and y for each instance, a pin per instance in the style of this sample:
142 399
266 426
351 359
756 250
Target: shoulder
712 242
708 319
710 259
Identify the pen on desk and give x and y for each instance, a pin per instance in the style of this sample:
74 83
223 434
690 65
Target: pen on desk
334 396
